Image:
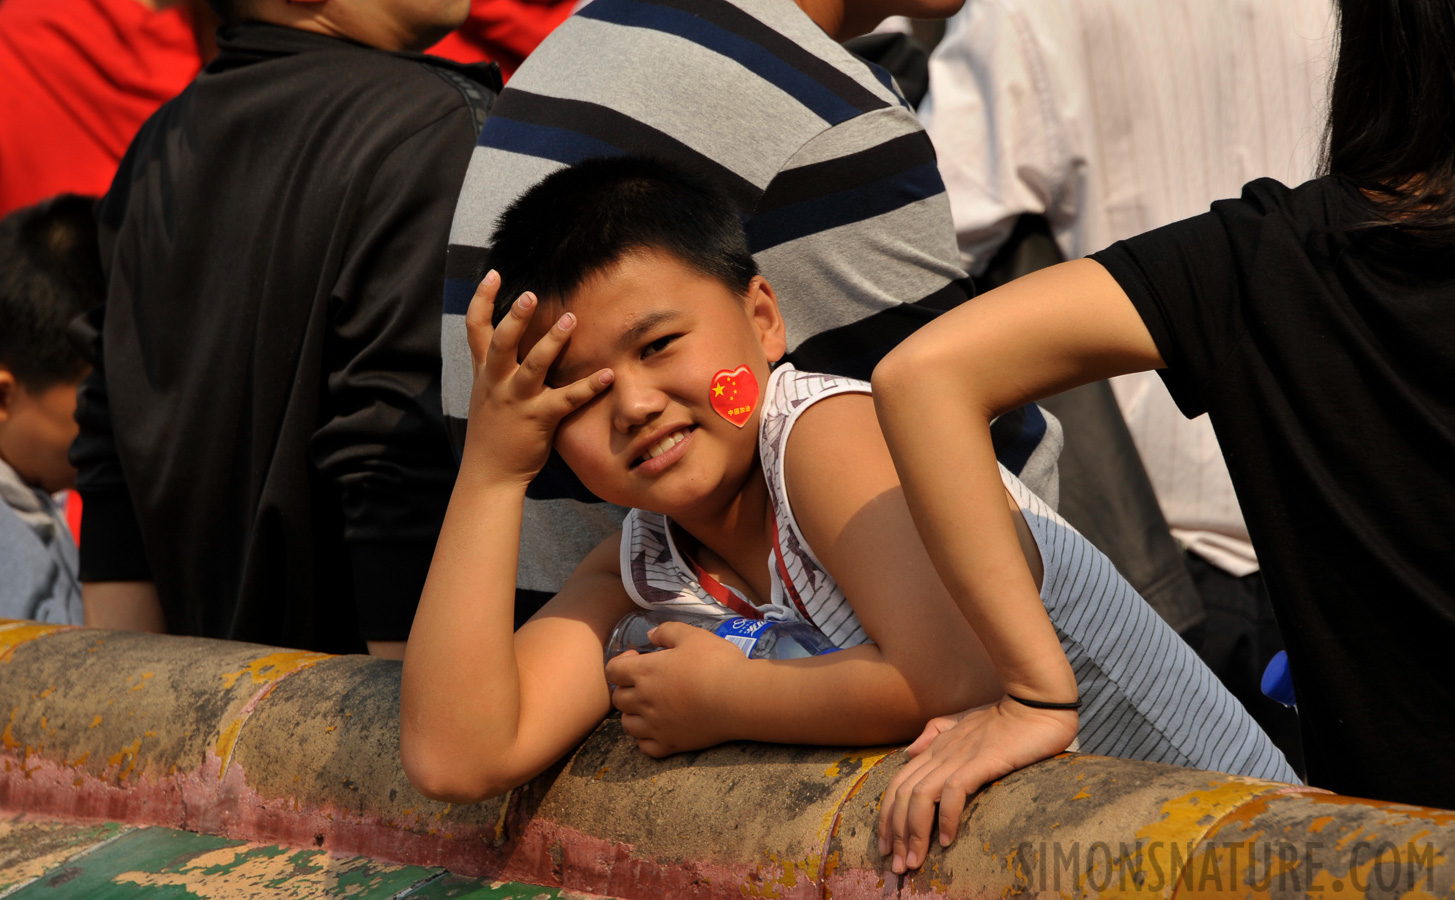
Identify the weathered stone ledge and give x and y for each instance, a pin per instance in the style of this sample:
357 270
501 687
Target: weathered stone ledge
301 749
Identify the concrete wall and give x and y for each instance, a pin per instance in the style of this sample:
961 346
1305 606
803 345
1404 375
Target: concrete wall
301 749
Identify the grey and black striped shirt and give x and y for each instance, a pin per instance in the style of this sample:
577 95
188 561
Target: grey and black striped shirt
841 199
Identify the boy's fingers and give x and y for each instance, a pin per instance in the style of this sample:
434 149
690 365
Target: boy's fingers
669 634
625 699
477 317
621 670
653 748
538 361
579 393
633 725
500 361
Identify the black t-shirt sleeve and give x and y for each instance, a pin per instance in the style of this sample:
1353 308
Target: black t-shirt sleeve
1187 281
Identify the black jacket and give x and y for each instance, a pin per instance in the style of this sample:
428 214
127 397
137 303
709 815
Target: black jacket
262 436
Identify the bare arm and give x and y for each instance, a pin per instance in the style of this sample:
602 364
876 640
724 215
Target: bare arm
482 708
935 395
123 605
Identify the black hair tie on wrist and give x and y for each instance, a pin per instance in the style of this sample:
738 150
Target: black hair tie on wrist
1044 704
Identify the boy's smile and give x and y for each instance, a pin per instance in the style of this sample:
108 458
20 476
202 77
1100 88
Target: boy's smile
654 439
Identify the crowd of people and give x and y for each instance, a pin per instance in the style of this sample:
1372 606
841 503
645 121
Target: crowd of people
711 342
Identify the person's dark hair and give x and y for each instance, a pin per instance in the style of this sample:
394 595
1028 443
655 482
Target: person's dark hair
1391 126
50 272
580 220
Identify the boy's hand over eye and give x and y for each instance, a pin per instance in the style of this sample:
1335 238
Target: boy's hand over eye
953 758
672 700
513 414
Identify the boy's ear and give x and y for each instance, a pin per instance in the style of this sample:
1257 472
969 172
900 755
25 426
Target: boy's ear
763 307
8 387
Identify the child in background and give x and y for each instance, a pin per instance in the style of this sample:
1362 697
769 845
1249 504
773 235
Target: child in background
642 353
50 271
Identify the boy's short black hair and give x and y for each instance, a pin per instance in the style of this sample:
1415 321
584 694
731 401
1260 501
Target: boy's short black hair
580 220
50 272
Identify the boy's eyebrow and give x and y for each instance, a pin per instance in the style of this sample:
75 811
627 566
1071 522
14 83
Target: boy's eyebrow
562 375
646 323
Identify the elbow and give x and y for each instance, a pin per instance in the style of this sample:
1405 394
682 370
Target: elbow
449 777
921 367
893 376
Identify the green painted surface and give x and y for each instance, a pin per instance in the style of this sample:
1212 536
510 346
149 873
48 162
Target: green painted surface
47 859
162 864
29 849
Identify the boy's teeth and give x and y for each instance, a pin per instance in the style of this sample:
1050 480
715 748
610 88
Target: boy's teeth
665 444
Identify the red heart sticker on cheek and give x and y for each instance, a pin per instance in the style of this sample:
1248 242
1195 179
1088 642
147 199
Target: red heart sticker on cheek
734 394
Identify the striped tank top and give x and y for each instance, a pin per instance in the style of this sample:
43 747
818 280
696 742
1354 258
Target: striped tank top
1144 693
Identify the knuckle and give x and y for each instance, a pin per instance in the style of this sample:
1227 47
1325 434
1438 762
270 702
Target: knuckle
924 793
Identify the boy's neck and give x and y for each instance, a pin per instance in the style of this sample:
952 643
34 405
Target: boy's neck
740 533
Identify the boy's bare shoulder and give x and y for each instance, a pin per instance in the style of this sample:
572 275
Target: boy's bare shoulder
847 416
605 557
836 459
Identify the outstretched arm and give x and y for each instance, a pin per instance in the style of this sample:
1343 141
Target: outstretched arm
935 395
484 709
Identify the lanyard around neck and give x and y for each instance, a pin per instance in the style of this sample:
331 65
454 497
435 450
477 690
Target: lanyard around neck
687 547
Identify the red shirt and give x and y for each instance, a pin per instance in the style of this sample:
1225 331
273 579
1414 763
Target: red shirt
503 31
80 77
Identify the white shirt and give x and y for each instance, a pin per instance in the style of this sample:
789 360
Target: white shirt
1114 117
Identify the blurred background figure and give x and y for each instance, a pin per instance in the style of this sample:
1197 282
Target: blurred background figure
503 31
1095 120
80 76
50 270
261 446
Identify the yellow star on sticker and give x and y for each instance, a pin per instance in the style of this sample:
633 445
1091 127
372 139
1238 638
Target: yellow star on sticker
717 390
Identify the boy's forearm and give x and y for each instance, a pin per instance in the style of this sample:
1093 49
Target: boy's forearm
460 696
852 697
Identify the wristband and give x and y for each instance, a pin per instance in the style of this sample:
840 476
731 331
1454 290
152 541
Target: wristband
1044 704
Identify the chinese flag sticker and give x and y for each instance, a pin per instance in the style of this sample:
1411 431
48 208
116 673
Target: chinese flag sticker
734 394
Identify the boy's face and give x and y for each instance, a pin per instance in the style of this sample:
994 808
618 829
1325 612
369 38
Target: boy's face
36 430
667 333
